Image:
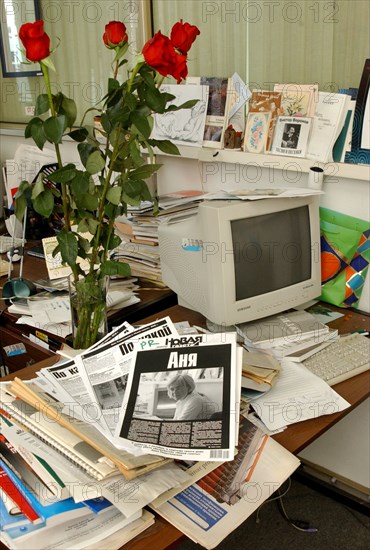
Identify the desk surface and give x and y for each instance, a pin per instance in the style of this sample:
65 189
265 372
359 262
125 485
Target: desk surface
297 436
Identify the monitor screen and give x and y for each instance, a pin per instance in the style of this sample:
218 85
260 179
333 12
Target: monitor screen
267 244
236 261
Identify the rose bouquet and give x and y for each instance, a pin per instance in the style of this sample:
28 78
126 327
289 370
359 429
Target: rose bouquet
113 174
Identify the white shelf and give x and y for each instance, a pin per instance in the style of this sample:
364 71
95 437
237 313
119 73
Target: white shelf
334 169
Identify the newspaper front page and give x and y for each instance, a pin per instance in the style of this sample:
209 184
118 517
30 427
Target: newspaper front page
105 369
182 397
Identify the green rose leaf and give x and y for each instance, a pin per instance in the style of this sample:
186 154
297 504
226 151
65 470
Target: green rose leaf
95 163
87 201
64 174
92 226
79 135
155 100
80 183
115 268
141 123
114 195
54 128
187 105
165 145
68 244
42 104
43 203
37 133
85 150
69 110
20 206
144 171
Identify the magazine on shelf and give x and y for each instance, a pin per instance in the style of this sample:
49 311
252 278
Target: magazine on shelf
182 398
207 515
291 136
328 121
218 106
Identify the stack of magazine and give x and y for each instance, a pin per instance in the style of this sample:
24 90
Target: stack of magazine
88 432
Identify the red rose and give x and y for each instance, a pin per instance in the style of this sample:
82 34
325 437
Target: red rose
180 72
35 40
183 35
115 34
160 54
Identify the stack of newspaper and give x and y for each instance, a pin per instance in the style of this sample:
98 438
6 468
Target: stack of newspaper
90 431
139 232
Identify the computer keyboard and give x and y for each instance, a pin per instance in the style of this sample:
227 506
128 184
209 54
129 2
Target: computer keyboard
347 357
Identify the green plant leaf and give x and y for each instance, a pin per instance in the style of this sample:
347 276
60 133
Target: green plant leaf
187 105
95 163
43 203
64 174
144 171
135 153
87 201
38 134
42 104
80 184
69 110
85 150
165 145
54 128
20 206
155 100
141 123
68 244
114 195
79 135
115 268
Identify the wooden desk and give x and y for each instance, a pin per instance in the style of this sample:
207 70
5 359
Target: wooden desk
163 535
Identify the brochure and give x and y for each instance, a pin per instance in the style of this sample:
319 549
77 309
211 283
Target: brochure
291 136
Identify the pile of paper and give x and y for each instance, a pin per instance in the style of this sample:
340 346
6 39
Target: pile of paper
50 310
139 232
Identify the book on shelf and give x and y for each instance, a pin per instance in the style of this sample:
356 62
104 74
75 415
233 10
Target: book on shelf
291 136
263 101
328 121
360 142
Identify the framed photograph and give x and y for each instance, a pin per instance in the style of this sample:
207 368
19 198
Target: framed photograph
13 16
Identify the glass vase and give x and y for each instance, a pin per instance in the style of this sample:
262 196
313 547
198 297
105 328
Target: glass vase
88 310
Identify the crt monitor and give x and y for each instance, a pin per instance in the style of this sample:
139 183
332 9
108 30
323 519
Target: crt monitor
237 261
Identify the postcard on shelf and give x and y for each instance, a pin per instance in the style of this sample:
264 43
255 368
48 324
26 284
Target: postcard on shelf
263 101
217 109
185 126
291 136
298 99
257 132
